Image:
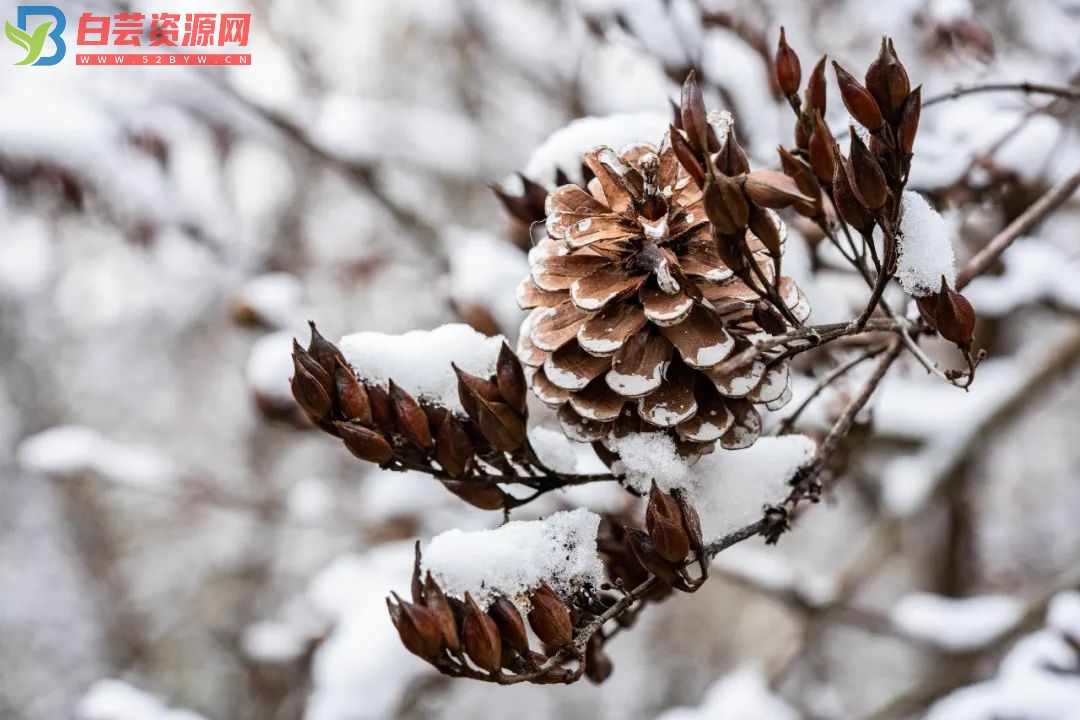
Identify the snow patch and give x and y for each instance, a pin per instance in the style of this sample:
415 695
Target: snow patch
926 247
956 624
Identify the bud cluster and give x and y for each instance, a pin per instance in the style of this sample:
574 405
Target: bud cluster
739 202
389 427
462 639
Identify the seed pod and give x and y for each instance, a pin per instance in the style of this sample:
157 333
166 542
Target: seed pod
772 189
847 205
549 618
527 207
764 228
908 124
887 80
870 186
822 151
725 205
417 627
352 399
954 317
410 417
478 494
365 443
687 156
732 160
310 394
816 93
694 116
511 380
324 351
481 637
788 69
382 408
691 522
805 180
471 387
435 601
510 624
858 100
453 449
664 523
647 555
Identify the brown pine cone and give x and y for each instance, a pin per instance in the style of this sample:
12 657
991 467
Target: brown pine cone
633 310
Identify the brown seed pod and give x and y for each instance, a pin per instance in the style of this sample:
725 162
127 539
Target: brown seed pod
549 617
772 189
323 351
410 417
858 100
908 124
732 160
954 317
365 443
694 115
481 637
352 399
511 626
822 151
511 380
663 519
480 495
847 204
453 449
870 186
887 80
725 205
649 557
687 156
788 69
816 93
417 627
435 601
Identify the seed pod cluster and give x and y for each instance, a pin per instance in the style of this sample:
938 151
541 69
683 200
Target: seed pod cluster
461 638
389 427
868 182
672 532
950 313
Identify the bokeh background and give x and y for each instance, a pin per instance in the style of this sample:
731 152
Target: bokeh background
173 546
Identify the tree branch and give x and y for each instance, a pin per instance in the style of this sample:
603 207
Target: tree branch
1027 88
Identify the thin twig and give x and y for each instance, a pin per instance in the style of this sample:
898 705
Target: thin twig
1027 88
1050 201
829 378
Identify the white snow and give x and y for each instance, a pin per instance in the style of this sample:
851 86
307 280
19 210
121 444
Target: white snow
956 624
420 361
273 642
731 487
765 568
69 449
648 456
117 700
1035 271
562 454
518 556
926 247
565 147
743 694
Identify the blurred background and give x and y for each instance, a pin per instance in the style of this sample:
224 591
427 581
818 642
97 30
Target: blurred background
174 545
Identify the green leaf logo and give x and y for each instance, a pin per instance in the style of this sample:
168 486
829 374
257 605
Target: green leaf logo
32 44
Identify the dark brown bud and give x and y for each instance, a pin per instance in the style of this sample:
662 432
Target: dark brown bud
324 351
805 180
453 449
382 409
310 390
954 317
410 417
788 69
471 387
511 380
510 624
435 601
365 443
848 206
908 124
478 494
649 557
352 399
691 522
527 207
764 228
887 80
772 189
858 100
732 160
481 637
725 205
816 93
664 523
870 186
417 627
694 116
687 156
821 150
549 618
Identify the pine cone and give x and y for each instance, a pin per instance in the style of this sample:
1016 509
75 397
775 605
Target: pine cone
633 309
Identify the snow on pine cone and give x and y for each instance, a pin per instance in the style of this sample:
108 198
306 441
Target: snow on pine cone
634 312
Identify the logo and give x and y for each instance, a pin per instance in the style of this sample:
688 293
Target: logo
34 42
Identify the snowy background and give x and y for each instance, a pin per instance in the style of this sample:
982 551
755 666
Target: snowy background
173 547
